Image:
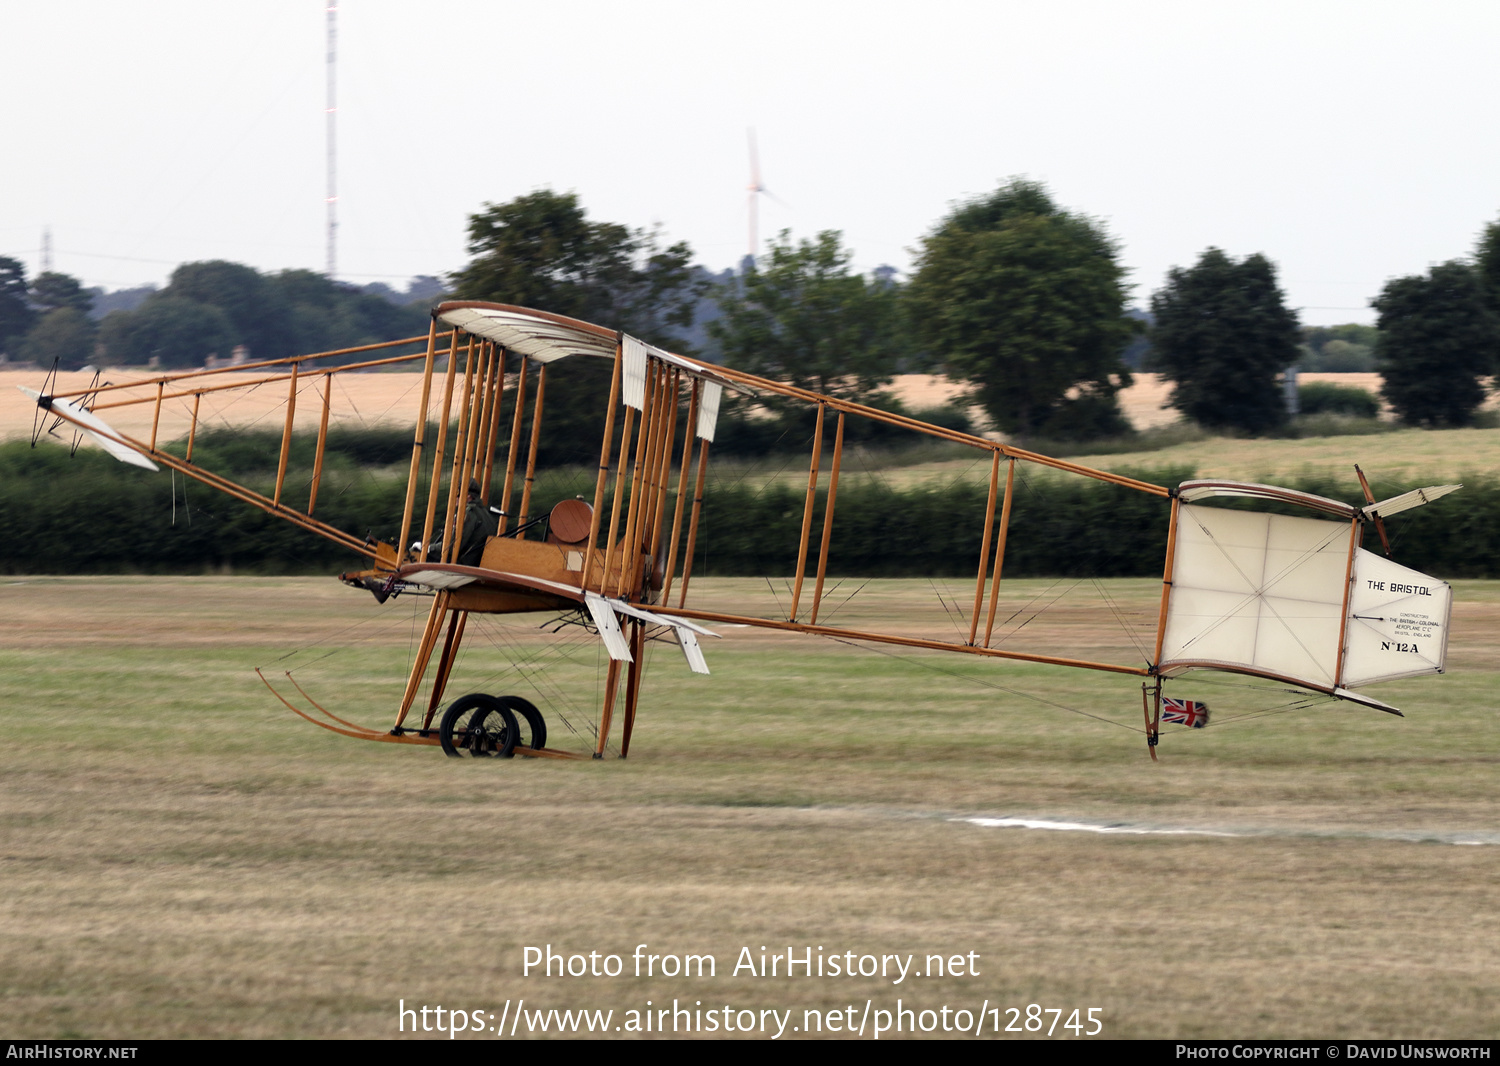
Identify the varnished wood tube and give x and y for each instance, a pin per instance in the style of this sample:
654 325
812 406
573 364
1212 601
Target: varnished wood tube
286 435
689 434
908 642
611 683
807 510
984 546
648 427
536 437
424 653
515 444
493 434
317 478
155 418
1166 581
610 543
833 493
436 476
242 368
452 525
606 449
692 544
1010 486
193 429
417 444
270 379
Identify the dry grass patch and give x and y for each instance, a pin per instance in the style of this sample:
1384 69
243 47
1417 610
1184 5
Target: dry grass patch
185 858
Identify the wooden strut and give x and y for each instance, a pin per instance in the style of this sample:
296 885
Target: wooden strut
1379 521
515 444
456 622
909 642
633 683
689 435
984 546
317 477
628 552
286 434
239 492
611 683
186 375
536 436
606 449
478 413
662 477
416 447
807 510
193 429
155 418
1355 529
762 385
424 653
460 446
435 477
492 434
1166 582
1151 724
1010 484
833 492
610 544
692 542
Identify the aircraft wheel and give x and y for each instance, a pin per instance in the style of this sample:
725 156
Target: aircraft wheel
479 724
534 733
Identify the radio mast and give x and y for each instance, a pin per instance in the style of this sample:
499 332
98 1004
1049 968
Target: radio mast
332 113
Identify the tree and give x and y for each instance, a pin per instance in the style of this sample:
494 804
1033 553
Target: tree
16 315
51 291
1438 339
1027 302
174 331
541 250
805 319
1487 260
1222 334
253 305
65 336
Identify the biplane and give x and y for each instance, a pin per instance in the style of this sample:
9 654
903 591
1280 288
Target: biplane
1290 597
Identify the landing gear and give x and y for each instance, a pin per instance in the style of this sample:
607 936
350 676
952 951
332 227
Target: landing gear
481 725
491 726
534 732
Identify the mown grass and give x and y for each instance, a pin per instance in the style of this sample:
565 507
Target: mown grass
186 858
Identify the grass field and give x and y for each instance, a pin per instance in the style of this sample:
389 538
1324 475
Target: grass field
184 857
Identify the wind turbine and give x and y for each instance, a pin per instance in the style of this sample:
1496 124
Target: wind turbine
756 189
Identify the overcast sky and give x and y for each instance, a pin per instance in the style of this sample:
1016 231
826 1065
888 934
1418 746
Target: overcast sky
1350 142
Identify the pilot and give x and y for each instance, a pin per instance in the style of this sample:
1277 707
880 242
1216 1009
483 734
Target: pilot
480 523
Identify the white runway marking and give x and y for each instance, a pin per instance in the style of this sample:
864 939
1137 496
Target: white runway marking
1413 836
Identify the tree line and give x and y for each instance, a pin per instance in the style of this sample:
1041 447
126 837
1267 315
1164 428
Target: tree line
207 310
88 514
1022 301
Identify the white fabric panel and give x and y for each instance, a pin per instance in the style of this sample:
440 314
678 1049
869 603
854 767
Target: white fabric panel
696 662
659 619
97 428
1192 491
440 579
609 627
1398 622
634 382
708 409
1407 500
1258 591
543 340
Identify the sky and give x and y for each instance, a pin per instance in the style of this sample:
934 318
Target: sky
1350 142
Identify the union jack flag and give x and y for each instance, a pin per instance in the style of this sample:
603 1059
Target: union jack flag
1184 712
